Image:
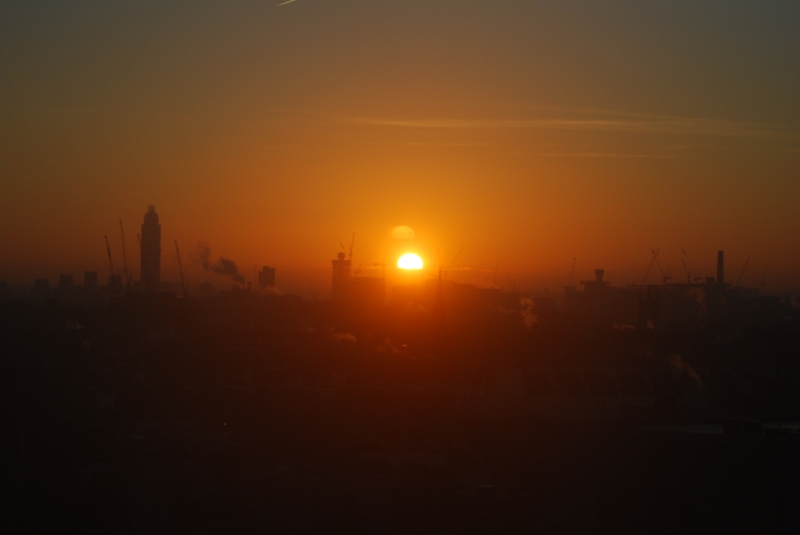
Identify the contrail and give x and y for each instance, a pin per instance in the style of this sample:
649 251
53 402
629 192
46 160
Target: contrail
284 3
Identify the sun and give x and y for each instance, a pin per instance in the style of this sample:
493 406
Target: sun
409 261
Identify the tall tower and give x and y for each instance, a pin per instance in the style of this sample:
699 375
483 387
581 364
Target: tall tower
341 278
151 251
266 277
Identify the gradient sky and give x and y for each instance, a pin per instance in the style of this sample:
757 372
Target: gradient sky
529 132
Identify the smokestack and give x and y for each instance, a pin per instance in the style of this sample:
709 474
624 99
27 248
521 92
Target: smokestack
720 267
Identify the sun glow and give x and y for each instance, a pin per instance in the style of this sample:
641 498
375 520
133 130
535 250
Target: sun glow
409 261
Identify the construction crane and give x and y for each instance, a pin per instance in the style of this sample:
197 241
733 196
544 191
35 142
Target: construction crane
741 273
686 256
124 256
180 268
454 261
697 275
686 269
110 262
653 261
351 246
664 274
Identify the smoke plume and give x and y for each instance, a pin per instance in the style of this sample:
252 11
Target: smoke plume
223 266
526 312
677 363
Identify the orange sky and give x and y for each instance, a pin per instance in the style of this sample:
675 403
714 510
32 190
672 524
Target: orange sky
528 133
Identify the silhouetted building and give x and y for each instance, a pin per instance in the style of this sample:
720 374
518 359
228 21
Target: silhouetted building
266 277
115 284
151 251
597 300
544 301
649 307
367 292
451 302
598 284
721 267
359 291
341 278
90 280
41 285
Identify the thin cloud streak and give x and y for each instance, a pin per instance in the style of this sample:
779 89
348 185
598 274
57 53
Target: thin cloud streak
644 125
66 111
428 144
603 155
284 3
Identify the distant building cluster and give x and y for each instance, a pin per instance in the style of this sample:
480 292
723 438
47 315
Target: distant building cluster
686 305
694 304
120 281
359 292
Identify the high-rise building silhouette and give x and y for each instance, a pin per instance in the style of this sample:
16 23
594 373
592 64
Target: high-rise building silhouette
151 251
266 277
341 277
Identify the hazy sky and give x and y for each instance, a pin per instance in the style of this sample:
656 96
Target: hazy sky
529 132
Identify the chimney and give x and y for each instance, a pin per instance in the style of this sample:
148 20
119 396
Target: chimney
720 267
598 275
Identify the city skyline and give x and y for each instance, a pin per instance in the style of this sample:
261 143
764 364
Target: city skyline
400 266
526 133
314 281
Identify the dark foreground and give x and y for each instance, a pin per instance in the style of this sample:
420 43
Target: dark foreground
258 417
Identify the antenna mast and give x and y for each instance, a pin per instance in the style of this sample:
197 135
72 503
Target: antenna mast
741 273
110 262
180 268
446 271
653 261
664 274
124 256
686 270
